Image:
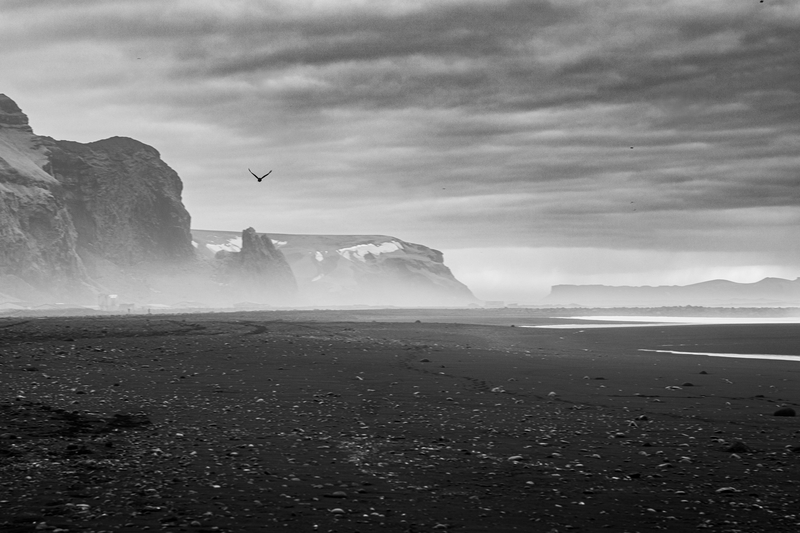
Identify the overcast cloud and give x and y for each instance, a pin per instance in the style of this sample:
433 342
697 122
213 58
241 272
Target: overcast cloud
525 139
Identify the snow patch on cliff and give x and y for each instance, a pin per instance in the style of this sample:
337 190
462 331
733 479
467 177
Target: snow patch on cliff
232 245
359 251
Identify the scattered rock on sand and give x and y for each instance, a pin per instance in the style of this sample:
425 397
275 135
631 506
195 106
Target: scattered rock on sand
159 452
739 447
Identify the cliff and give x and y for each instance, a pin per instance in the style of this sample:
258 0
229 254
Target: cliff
334 270
125 202
38 241
80 220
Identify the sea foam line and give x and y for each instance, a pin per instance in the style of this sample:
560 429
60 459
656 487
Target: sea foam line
651 321
734 355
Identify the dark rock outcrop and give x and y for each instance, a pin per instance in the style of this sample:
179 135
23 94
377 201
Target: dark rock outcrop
261 261
12 116
258 272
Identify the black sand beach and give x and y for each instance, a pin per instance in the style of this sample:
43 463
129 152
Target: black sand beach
393 421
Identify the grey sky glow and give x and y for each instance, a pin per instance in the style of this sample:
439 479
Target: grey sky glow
533 141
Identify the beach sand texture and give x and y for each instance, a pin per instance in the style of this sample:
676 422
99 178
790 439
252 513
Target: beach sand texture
373 421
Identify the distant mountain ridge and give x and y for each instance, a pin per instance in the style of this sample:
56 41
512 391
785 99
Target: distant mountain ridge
769 292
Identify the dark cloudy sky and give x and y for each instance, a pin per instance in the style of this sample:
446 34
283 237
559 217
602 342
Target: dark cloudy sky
534 142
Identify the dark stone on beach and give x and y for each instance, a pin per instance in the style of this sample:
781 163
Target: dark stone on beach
424 360
785 411
739 447
687 384
703 372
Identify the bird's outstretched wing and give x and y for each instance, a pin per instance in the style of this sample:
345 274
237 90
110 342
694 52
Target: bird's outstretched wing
262 177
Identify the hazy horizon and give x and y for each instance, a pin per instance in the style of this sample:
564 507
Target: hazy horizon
534 143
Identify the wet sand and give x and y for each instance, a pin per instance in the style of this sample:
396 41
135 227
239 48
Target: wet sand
372 421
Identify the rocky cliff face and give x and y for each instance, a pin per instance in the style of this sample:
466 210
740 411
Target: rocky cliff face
125 202
38 241
78 220
335 270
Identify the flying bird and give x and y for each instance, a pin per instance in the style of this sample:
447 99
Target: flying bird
262 177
